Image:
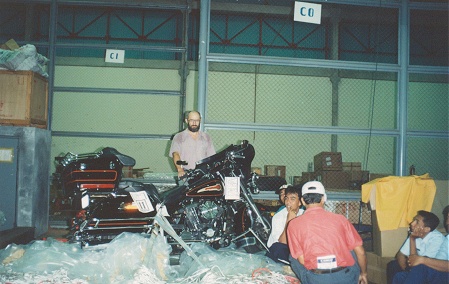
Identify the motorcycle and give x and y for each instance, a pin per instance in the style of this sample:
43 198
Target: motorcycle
212 203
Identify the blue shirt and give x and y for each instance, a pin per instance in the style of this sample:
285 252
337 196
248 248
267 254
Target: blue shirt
443 253
427 246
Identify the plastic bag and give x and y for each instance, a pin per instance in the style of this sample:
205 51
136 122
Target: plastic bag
128 255
24 58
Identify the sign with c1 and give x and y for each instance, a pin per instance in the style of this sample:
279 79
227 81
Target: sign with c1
307 12
114 56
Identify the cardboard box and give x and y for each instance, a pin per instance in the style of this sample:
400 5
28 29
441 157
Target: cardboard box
351 166
256 170
296 180
23 98
328 161
373 176
307 176
127 172
387 243
333 179
359 176
10 45
275 171
377 268
269 203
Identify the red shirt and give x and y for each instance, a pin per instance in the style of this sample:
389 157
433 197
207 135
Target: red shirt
320 233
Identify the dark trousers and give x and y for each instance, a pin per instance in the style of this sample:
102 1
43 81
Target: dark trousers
392 269
278 252
349 275
421 274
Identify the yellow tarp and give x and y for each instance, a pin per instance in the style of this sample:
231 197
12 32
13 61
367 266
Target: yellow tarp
397 199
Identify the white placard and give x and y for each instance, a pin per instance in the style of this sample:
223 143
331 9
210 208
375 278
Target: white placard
326 262
232 188
142 201
6 155
114 56
307 12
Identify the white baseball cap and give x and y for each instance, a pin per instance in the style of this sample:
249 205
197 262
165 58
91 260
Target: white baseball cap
284 186
314 187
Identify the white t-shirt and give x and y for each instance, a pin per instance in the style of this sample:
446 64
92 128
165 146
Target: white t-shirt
278 225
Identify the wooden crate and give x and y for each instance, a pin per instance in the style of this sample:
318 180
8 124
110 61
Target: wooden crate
23 99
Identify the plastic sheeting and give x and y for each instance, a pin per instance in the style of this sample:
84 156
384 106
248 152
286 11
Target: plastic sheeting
24 58
135 258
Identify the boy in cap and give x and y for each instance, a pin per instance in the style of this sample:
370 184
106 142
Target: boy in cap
322 244
281 192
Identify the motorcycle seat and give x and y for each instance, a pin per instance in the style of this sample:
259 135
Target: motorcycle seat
126 161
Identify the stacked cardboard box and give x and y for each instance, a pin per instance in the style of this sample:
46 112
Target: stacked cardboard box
328 168
377 268
373 176
333 173
387 243
328 161
357 177
296 180
352 166
275 170
307 176
333 179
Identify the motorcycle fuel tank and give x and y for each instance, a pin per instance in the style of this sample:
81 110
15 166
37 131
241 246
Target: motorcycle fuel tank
209 188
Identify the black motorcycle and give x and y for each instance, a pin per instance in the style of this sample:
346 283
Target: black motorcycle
212 204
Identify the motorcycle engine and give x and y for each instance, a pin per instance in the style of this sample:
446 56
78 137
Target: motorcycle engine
205 220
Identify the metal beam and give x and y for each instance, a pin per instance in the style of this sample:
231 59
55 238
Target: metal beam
302 62
404 52
96 135
117 91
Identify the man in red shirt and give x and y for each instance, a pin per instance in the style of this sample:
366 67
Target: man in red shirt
324 245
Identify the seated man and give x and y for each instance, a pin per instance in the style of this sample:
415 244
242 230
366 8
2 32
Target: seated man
277 242
426 269
428 241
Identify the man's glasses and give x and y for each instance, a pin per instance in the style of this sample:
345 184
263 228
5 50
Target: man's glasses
194 120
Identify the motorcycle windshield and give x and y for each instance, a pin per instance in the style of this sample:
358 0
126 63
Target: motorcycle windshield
242 154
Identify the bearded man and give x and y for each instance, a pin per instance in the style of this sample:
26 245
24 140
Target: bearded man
191 145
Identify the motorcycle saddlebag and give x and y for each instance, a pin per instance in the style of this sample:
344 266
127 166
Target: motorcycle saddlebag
97 175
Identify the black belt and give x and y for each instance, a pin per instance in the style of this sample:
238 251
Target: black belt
325 271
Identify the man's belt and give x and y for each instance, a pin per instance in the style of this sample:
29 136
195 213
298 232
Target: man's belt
325 271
